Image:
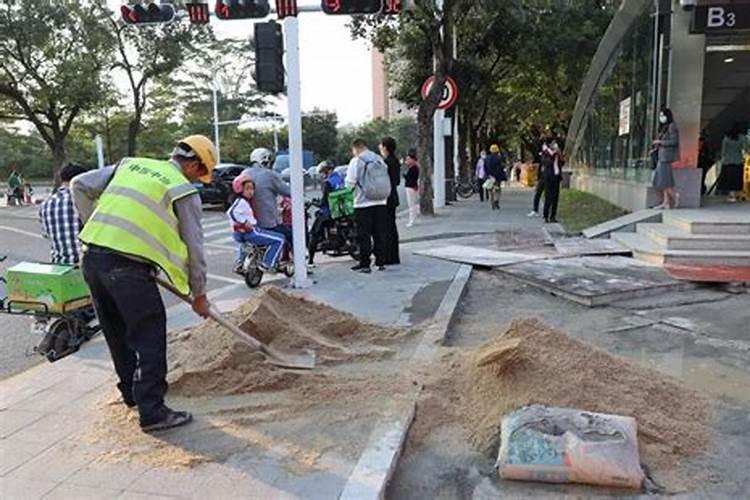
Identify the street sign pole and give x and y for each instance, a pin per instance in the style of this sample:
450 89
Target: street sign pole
216 119
438 144
291 42
99 151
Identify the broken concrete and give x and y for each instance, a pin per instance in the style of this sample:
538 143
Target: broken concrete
478 256
583 246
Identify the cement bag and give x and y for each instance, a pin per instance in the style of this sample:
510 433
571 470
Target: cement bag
561 445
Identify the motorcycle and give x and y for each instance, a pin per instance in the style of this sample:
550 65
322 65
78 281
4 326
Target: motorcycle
253 271
339 234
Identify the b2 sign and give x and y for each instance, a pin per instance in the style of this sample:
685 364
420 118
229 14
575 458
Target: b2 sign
724 18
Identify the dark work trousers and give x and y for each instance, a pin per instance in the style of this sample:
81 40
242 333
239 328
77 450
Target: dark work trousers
538 193
551 196
391 256
132 316
371 223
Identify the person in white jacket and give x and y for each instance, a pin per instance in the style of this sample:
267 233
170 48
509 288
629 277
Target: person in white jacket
370 216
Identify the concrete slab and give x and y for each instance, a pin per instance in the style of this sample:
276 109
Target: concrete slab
624 223
594 281
522 236
478 256
583 246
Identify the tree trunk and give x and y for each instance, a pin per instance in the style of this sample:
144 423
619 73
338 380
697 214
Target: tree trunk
464 168
424 151
59 159
134 126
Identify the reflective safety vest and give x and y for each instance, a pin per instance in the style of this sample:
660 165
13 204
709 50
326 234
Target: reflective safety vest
135 215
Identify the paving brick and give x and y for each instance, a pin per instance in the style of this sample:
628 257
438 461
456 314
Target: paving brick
54 464
134 495
73 491
236 485
15 489
115 476
14 420
14 453
48 400
180 483
49 429
316 486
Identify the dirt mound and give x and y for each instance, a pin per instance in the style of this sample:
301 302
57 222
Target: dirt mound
207 359
532 364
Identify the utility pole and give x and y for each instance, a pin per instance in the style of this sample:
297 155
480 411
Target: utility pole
216 118
438 142
291 42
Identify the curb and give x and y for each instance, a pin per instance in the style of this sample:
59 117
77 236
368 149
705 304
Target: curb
378 461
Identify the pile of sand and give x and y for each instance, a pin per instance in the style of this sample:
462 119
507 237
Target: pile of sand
532 364
208 360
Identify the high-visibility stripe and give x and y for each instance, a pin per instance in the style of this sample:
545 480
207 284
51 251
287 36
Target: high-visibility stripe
142 235
180 191
161 210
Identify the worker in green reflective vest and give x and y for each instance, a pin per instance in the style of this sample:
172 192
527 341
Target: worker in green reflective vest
140 217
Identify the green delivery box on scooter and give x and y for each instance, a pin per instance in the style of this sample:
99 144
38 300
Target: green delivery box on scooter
341 203
46 288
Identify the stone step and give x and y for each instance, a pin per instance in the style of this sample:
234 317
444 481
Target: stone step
676 238
624 223
701 221
648 250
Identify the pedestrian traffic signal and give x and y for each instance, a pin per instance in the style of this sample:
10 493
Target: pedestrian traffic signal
198 12
269 57
336 7
241 9
153 13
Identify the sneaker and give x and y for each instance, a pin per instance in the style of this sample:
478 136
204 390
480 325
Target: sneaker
381 268
553 221
360 267
533 213
165 418
130 403
676 200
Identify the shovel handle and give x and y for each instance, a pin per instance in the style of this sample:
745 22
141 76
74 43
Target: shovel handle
214 315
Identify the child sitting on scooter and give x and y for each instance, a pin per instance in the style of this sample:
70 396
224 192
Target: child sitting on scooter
245 229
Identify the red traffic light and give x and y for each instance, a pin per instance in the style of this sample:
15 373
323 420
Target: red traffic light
392 7
241 9
286 8
154 13
198 12
344 7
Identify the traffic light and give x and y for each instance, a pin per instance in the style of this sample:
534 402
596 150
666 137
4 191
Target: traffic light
152 14
269 57
241 9
337 7
286 8
198 12
392 7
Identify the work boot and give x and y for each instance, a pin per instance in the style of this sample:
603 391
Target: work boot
165 418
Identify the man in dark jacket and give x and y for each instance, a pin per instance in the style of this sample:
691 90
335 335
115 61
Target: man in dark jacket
388 152
551 167
494 167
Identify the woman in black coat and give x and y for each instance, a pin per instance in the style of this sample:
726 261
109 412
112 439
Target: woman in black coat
388 152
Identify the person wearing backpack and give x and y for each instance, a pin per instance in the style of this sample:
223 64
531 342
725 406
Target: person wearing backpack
368 176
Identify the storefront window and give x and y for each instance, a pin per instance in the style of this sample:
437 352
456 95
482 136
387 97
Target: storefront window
620 122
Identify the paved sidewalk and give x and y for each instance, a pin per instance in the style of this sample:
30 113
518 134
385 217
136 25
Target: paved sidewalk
43 409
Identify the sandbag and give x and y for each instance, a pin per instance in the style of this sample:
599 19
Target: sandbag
562 445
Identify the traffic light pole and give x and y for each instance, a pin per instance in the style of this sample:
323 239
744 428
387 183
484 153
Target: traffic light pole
291 42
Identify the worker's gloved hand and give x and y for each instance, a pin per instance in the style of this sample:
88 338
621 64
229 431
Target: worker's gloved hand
201 306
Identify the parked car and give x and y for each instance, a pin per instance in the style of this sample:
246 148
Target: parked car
219 190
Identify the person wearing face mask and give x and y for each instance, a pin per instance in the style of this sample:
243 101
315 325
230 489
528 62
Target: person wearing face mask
666 151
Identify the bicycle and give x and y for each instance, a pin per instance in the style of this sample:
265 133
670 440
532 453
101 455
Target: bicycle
465 189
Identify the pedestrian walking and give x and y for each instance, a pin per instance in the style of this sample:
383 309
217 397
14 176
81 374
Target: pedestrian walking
411 181
666 151
734 147
368 176
552 163
539 188
388 152
705 161
495 169
481 174
140 217
15 190
60 222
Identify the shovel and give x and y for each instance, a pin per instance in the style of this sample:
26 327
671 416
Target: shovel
302 360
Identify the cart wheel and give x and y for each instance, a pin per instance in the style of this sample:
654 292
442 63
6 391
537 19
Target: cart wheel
253 277
59 337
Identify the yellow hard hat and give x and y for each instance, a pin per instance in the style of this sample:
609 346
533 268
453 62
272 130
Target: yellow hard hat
205 150
494 148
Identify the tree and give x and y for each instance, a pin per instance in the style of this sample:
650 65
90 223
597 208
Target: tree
319 133
149 56
52 57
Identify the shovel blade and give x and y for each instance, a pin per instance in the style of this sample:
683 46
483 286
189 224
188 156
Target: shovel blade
298 360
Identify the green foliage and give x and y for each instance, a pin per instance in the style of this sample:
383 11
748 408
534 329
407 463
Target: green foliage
319 134
52 60
403 130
